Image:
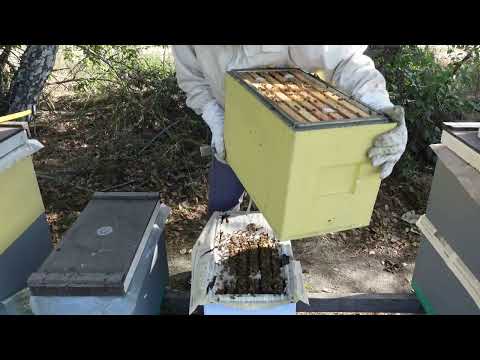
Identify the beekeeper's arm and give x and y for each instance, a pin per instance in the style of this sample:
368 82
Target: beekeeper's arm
191 80
346 67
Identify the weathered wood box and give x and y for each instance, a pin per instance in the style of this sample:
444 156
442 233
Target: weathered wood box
454 205
24 234
447 267
266 280
112 261
443 283
299 147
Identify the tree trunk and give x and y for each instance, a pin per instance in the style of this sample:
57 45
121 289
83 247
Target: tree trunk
4 57
35 66
3 78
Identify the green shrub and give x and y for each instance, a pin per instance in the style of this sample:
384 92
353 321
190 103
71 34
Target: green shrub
142 88
431 93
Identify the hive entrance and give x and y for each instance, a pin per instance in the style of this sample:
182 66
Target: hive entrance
302 98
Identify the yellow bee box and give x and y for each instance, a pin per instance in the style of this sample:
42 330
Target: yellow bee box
299 146
24 233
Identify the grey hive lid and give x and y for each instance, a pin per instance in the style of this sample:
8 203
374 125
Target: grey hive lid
468 137
10 139
7 132
466 175
465 132
96 254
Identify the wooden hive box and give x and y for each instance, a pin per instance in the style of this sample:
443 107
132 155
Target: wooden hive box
299 147
464 140
447 269
443 283
24 234
454 205
112 261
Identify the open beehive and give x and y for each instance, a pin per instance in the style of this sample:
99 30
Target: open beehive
250 262
305 100
238 267
299 146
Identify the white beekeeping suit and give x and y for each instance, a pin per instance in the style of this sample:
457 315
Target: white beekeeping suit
201 71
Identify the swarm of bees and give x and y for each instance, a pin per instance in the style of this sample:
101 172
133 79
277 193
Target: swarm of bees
250 263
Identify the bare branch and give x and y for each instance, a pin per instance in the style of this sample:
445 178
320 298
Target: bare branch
158 135
118 186
459 64
78 80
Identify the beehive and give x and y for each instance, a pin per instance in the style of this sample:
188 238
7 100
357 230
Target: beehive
443 282
454 205
260 298
299 146
447 268
111 261
24 233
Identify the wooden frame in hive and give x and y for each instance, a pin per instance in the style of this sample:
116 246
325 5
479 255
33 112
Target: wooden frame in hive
304 101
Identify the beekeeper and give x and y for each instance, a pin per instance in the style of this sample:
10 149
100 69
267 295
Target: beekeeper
201 70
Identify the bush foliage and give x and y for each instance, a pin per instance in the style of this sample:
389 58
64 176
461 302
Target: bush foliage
141 90
431 92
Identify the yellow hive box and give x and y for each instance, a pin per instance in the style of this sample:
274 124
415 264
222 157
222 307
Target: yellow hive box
21 202
24 234
299 147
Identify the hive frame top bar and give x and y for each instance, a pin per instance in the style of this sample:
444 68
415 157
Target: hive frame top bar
376 118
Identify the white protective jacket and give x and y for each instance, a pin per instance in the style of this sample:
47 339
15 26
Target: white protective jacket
201 69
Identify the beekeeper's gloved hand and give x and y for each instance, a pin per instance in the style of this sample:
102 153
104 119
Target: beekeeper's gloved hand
388 148
213 115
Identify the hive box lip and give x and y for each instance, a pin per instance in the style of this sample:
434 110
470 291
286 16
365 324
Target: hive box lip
222 309
450 258
381 118
11 139
466 136
459 168
8 132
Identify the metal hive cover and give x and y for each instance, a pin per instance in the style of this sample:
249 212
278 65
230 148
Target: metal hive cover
305 102
6 133
10 139
468 137
96 254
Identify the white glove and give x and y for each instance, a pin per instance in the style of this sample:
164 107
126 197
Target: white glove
213 115
389 147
